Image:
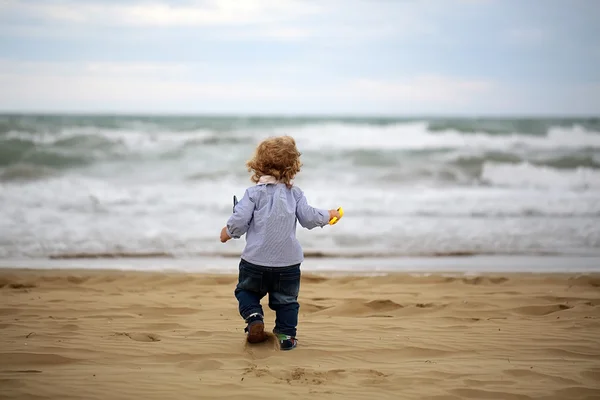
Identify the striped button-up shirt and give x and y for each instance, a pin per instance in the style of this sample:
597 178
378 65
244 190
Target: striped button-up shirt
267 214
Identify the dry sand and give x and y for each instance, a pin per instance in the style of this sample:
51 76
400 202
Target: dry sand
131 335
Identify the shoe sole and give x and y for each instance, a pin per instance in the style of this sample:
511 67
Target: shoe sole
256 333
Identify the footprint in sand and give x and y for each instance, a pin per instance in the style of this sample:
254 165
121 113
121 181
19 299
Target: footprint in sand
534 375
478 280
308 308
383 305
424 305
592 374
16 285
314 377
541 310
140 337
586 281
355 307
262 349
38 359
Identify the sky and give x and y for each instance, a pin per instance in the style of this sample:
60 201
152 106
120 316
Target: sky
327 57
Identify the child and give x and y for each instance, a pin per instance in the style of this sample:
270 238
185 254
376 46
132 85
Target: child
270 262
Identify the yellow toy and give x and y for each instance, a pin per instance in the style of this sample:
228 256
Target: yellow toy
334 220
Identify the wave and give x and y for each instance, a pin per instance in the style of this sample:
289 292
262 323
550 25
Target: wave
26 172
500 172
393 152
558 161
79 256
525 213
78 147
532 209
528 175
141 139
508 126
416 136
457 167
307 254
41 122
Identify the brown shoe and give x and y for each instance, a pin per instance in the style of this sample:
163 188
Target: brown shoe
256 331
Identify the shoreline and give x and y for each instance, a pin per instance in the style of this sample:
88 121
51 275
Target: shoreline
326 274
499 264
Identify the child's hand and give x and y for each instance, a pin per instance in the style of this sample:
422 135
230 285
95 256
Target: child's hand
224 236
334 213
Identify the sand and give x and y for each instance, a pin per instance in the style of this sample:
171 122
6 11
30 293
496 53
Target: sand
133 335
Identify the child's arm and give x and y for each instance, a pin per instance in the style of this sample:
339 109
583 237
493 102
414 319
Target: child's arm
311 217
239 221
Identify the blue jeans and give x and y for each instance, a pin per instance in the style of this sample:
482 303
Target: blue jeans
281 283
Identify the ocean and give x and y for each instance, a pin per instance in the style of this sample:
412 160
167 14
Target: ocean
75 186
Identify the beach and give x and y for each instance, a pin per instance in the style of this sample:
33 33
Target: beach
100 334
459 141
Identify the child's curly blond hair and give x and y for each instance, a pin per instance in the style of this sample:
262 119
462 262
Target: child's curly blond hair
278 157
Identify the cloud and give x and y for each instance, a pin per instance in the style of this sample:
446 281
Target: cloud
109 69
168 86
426 89
584 98
280 20
162 14
199 88
105 81
526 36
296 55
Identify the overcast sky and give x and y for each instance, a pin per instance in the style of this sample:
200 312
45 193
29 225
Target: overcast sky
399 57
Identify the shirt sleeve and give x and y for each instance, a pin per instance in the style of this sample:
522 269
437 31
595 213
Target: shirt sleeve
238 223
310 217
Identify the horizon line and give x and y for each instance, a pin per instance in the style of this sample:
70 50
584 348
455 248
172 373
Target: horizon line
293 115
